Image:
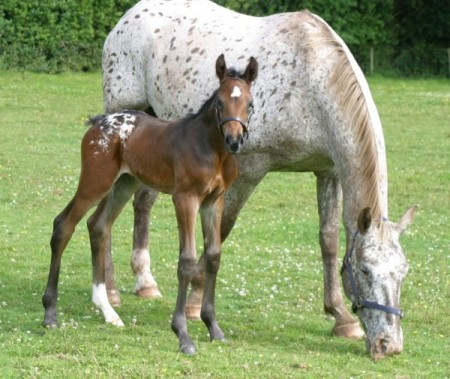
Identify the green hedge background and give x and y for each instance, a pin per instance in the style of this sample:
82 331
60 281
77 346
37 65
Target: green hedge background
406 37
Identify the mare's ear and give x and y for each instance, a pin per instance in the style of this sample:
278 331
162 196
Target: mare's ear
364 220
251 72
406 219
221 67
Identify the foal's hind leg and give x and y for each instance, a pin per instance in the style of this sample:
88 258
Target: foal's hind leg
99 225
328 196
63 228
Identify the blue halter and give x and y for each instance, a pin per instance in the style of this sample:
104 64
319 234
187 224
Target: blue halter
358 301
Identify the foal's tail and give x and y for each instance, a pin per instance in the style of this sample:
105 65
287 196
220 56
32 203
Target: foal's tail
91 121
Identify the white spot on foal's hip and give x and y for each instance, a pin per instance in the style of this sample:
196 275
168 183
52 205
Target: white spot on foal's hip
236 92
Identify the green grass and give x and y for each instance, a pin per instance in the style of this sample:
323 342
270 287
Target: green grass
269 297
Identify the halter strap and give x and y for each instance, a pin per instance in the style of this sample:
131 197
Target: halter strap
221 122
358 301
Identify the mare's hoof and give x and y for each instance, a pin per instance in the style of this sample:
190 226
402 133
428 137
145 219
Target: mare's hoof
193 312
148 292
351 330
114 298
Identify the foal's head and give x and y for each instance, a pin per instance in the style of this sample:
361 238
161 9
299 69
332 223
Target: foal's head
234 103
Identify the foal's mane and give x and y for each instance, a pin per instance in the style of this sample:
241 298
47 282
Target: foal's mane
352 103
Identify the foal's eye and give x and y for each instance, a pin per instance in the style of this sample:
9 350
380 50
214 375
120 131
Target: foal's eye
251 106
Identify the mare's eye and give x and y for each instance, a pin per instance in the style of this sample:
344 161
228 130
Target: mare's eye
365 271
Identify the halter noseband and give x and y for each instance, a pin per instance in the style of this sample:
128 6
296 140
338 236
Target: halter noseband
358 301
221 122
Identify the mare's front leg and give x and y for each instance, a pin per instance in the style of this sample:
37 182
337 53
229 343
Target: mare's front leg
99 225
211 215
328 197
186 207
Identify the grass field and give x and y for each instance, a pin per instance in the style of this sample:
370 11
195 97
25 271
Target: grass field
269 298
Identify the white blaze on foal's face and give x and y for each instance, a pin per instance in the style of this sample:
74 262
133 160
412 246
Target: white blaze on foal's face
236 92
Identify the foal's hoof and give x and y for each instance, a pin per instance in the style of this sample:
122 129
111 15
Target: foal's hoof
148 292
116 321
53 325
114 298
188 349
193 312
351 330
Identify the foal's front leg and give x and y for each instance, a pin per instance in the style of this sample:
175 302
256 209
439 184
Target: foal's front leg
186 208
211 215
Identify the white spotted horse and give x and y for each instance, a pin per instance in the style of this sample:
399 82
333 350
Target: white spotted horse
192 159
316 114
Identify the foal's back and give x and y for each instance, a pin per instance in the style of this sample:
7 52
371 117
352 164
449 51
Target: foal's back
166 156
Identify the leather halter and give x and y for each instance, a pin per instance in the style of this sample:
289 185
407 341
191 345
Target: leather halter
223 121
358 302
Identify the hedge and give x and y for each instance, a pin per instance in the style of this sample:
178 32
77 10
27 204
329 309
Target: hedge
56 35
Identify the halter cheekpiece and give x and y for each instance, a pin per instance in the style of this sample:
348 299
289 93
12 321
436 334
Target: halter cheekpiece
223 121
358 302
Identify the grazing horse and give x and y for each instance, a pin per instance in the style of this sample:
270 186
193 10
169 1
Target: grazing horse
316 114
191 159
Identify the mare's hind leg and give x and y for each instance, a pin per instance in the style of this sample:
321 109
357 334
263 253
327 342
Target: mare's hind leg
99 225
328 197
146 285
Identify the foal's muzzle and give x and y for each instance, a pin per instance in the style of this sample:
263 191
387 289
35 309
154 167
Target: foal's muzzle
233 144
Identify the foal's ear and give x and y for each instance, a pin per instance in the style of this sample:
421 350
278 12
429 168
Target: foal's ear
251 72
364 220
221 67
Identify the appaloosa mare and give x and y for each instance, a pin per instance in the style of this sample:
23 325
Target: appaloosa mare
191 159
316 113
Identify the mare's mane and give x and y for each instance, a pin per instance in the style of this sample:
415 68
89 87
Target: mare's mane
353 106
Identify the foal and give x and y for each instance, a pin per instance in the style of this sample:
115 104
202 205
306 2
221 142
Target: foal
191 159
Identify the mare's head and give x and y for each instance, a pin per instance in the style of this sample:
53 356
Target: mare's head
234 102
372 274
